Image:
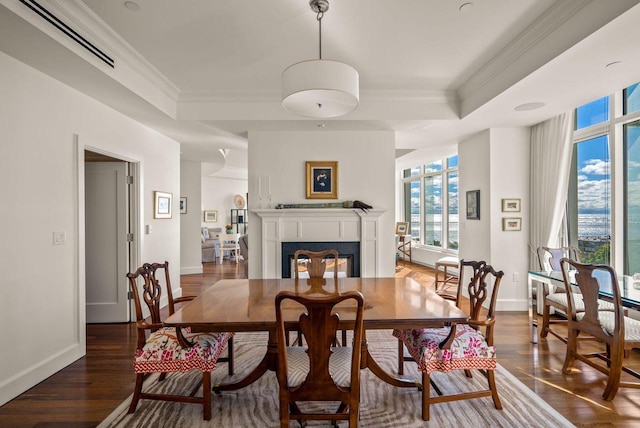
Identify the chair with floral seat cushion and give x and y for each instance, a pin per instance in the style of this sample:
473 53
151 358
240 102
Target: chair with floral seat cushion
617 331
465 267
164 350
319 372
460 347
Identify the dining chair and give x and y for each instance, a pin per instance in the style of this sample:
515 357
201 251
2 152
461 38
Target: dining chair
166 350
444 282
611 327
460 347
313 264
463 265
549 260
319 371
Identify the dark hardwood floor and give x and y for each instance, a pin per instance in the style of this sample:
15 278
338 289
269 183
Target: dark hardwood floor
84 393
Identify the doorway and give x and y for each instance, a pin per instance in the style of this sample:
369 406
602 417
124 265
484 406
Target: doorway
108 237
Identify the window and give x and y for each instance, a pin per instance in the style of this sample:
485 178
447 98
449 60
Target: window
592 200
631 99
599 135
632 196
431 203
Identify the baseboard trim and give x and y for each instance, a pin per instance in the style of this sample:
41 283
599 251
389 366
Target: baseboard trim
31 376
191 270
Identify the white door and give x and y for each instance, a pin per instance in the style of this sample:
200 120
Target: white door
106 214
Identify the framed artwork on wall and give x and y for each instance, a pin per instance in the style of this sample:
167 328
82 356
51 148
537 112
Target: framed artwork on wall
402 227
511 224
511 205
162 204
322 179
183 205
211 216
473 205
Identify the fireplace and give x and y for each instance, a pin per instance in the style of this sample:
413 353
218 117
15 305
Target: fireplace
350 251
353 233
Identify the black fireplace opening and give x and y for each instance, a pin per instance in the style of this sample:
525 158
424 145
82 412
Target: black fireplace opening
346 250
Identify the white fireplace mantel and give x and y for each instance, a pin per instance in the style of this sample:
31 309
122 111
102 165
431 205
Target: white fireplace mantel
319 225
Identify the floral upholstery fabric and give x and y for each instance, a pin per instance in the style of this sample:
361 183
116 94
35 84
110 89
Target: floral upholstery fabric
468 351
162 352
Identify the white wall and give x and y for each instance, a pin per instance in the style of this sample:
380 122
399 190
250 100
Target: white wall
42 306
496 162
366 169
510 179
474 161
190 244
217 195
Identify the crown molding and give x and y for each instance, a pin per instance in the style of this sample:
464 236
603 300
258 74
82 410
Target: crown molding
553 18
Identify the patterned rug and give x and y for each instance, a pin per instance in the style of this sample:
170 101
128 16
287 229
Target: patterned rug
381 405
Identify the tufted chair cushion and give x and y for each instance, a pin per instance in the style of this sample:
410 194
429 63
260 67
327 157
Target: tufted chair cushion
468 351
162 352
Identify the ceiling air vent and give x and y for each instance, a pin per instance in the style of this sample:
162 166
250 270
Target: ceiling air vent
68 31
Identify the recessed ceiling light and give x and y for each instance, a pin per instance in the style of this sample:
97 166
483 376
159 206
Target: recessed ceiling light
132 6
465 6
529 106
613 63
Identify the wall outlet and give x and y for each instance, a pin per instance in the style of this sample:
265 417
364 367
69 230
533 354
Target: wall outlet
516 277
59 238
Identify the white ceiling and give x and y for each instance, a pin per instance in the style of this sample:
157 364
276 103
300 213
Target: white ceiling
207 72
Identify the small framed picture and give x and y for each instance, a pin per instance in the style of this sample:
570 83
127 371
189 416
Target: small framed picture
322 180
473 205
183 205
511 205
511 224
402 227
211 216
162 204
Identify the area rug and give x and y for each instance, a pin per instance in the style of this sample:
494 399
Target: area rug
381 405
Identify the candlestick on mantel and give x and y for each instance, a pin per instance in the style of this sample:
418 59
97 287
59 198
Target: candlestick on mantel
259 185
269 186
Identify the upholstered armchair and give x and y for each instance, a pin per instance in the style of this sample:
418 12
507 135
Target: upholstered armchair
210 244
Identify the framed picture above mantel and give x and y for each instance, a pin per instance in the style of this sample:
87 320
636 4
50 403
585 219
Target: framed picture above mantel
322 180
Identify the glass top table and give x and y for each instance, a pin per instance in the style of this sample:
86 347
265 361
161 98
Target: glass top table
628 286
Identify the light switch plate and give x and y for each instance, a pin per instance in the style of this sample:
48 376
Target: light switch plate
59 238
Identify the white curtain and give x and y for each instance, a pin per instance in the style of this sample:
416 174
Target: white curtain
551 148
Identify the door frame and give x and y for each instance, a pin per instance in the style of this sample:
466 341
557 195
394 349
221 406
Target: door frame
135 226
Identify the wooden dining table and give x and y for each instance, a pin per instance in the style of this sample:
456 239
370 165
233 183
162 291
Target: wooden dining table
241 305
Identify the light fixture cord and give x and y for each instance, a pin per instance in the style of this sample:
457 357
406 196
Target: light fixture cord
319 18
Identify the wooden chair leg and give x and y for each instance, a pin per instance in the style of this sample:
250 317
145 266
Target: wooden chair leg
136 393
230 355
206 395
494 389
569 359
546 314
400 357
615 374
426 396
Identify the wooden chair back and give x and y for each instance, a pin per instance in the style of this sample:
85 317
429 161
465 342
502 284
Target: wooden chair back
607 326
483 286
317 262
471 267
590 280
151 290
549 258
318 323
